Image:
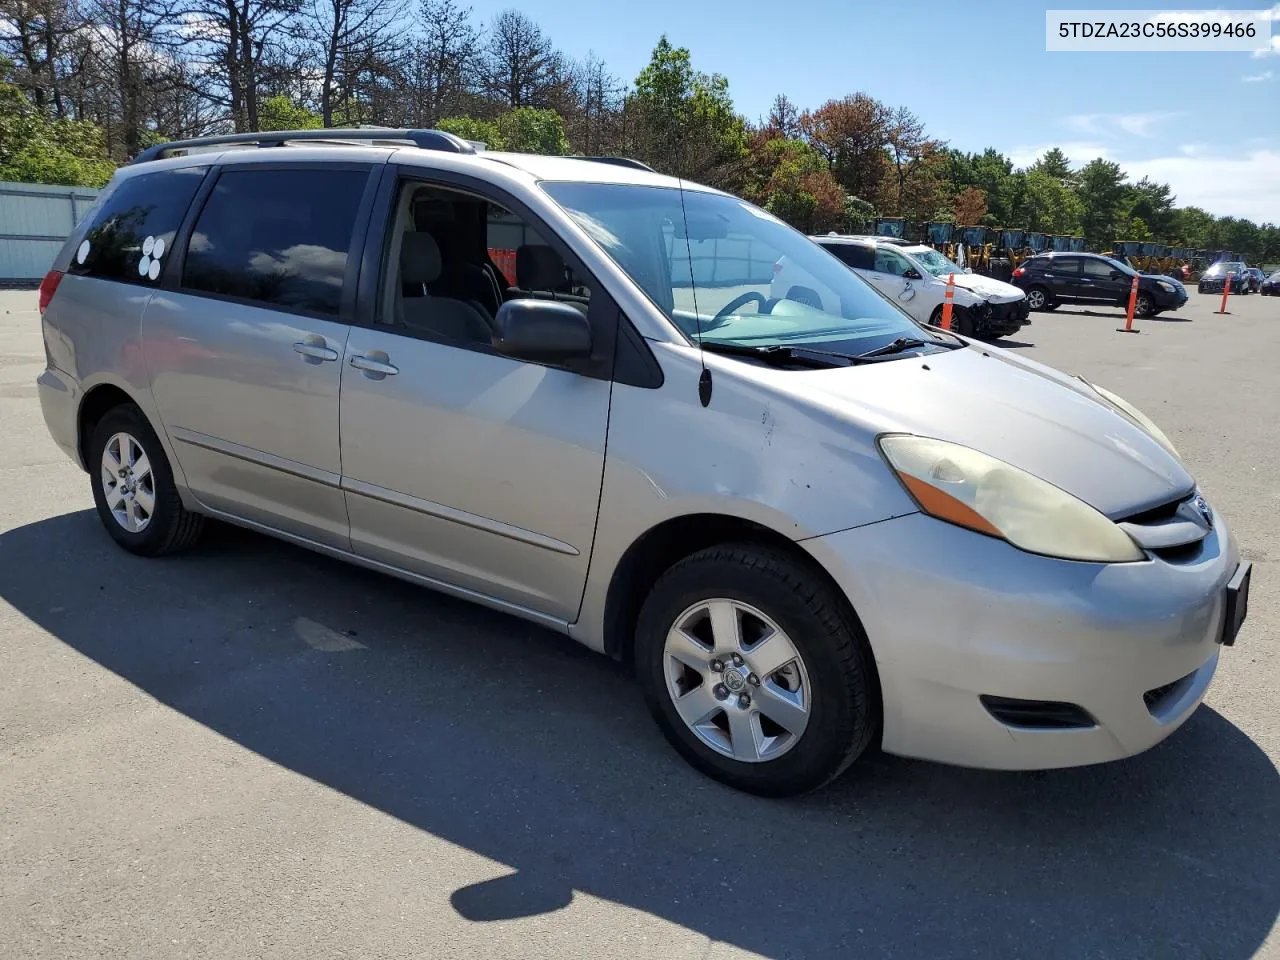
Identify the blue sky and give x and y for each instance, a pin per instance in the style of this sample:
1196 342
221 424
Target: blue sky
978 74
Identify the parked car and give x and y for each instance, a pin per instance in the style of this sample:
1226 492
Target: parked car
1215 278
914 277
812 528
1271 286
1051 279
1255 277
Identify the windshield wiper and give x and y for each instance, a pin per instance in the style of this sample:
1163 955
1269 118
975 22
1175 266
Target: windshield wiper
779 354
775 353
901 344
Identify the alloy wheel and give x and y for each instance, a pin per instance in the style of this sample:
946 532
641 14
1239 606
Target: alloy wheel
736 680
128 483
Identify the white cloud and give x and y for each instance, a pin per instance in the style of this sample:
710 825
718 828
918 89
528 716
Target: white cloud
1241 184
1269 51
1114 124
1234 185
1079 152
1257 77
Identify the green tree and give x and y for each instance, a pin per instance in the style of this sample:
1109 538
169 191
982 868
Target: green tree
684 121
528 130
35 149
857 213
800 188
468 128
1054 163
1102 189
281 113
1048 206
1153 204
1192 227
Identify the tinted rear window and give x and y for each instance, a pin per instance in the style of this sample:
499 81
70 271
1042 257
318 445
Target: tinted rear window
280 238
853 254
132 232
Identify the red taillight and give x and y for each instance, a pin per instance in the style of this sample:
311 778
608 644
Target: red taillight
48 287
1020 271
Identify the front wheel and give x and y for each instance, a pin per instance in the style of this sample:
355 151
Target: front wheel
755 670
133 487
1145 306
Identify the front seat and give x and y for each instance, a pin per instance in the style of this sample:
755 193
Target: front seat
447 317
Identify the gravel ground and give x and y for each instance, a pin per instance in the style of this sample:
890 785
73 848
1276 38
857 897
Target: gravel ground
251 751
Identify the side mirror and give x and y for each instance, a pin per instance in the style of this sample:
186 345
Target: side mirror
542 330
968 269
911 273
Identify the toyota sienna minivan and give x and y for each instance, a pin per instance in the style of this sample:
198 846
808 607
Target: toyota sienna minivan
561 387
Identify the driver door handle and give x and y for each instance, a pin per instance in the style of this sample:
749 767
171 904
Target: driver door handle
370 365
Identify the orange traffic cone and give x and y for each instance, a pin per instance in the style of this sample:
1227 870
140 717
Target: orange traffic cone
947 301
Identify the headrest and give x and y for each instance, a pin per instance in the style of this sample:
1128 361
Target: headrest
538 267
419 258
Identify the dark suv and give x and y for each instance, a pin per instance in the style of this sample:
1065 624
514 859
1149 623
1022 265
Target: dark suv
1051 279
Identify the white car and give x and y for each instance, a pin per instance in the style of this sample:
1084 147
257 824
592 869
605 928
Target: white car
915 278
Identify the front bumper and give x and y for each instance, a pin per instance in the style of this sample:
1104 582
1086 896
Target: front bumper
953 615
998 318
1170 300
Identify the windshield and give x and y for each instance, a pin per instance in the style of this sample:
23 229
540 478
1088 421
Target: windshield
1223 267
735 274
933 261
1124 268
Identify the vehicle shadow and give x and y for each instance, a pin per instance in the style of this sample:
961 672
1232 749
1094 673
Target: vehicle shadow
517 744
1011 344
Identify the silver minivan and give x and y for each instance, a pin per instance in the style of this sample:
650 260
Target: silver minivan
561 387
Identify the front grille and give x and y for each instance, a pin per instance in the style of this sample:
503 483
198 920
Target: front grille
1157 698
1158 514
1037 714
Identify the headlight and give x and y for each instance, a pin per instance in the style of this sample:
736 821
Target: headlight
972 490
1167 286
1139 419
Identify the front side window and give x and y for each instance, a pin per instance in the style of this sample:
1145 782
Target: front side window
1100 269
132 232
707 260
454 258
891 262
279 238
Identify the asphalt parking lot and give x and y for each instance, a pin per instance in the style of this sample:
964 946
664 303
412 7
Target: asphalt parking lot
251 751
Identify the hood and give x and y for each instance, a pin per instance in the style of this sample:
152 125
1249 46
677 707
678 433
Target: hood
987 287
1017 410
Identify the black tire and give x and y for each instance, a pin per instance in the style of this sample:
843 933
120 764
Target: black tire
1042 294
958 323
844 709
1144 306
171 527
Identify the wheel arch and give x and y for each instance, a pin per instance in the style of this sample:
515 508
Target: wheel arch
670 541
96 403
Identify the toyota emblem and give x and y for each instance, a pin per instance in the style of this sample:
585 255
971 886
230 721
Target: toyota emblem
1202 508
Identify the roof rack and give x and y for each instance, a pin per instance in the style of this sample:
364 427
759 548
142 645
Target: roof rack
619 162
424 139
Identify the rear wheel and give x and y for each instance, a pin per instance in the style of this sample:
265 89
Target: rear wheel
755 671
1038 298
133 486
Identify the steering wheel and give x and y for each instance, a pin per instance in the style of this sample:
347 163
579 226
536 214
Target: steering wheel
766 305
